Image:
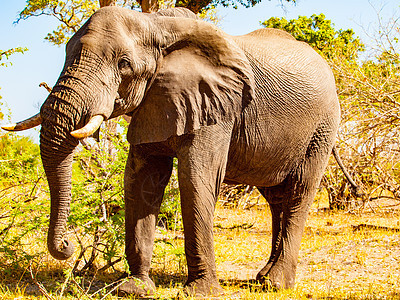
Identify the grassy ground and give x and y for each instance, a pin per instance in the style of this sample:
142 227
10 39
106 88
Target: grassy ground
338 260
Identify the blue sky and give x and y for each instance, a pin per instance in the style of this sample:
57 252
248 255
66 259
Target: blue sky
19 83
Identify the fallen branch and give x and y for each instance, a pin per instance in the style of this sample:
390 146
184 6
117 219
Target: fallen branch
236 226
7 160
384 197
375 227
114 285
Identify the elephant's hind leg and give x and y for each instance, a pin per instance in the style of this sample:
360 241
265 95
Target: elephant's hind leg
289 204
146 177
275 201
279 272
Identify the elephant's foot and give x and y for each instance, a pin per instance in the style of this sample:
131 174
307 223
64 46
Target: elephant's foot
204 288
277 276
139 286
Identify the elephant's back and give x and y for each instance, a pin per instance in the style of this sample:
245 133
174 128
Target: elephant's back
285 56
266 33
291 78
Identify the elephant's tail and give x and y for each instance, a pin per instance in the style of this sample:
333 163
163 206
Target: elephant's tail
355 189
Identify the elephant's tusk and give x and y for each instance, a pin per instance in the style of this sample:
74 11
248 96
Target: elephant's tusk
91 127
34 121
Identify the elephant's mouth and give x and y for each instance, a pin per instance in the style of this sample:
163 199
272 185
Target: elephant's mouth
120 107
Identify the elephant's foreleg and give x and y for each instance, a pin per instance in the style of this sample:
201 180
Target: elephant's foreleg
201 168
145 180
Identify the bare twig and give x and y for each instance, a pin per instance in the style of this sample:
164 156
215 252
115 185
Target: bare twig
46 86
42 289
117 285
110 264
248 193
83 292
64 286
91 282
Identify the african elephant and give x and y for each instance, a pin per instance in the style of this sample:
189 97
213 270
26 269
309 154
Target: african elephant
259 109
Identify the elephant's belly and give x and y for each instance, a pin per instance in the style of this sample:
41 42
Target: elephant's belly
254 178
257 167
267 145
265 160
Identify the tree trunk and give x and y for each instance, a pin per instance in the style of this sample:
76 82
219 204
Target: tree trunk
149 6
194 5
104 3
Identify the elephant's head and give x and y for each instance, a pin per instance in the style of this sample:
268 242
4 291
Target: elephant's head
172 74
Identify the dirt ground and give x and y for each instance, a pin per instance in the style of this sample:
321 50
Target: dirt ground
342 255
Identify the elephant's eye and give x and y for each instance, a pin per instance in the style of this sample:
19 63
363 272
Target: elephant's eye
123 64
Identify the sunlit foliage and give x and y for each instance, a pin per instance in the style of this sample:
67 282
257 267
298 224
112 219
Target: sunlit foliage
319 32
71 15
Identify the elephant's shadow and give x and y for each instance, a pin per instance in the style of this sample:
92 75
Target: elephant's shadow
165 280
168 280
178 280
95 284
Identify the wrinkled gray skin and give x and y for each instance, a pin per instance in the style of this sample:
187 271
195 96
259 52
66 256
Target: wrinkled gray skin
259 109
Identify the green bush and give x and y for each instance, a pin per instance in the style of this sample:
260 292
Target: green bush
23 205
97 208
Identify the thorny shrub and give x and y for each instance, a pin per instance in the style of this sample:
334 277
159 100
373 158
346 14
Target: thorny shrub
369 92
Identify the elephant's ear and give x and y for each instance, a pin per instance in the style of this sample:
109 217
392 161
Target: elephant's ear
201 80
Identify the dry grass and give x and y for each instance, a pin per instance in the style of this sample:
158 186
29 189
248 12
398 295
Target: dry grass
335 262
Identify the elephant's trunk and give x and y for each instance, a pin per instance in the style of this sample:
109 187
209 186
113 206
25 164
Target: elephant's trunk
58 171
78 96
56 147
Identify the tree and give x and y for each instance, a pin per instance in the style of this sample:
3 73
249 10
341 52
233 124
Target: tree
70 13
20 174
319 33
73 13
7 53
197 6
